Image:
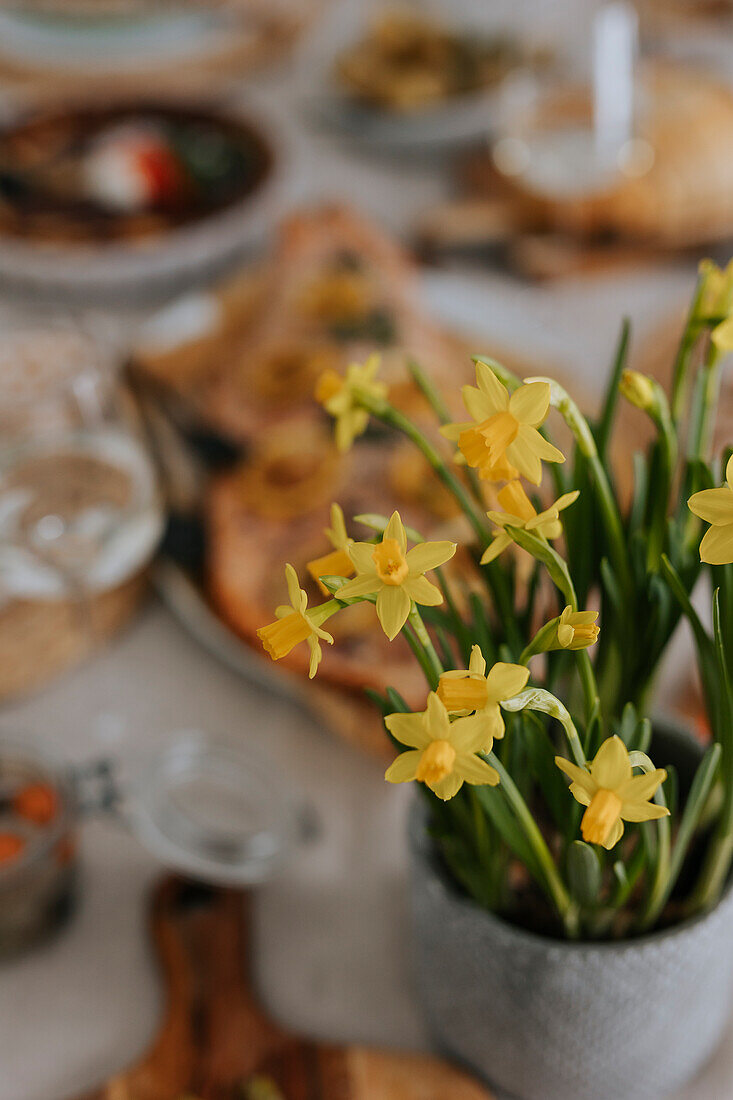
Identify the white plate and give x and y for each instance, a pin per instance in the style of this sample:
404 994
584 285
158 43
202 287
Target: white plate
464 119
166 264
461 303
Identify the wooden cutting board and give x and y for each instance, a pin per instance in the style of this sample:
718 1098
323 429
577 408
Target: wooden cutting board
216 1042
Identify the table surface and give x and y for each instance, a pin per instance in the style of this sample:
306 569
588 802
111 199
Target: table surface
342 971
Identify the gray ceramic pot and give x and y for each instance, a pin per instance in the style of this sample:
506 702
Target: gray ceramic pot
543 1019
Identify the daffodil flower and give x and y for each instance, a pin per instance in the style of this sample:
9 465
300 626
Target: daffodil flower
577 629
442 754
395 574
463 691
612 793
502 437
715 506
519 512
638 389
716 302
339 395
337 563
296 624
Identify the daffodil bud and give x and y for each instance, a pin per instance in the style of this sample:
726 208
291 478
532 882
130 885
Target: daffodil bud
576 630
638 389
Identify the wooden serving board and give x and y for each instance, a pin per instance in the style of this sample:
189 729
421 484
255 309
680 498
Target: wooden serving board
216 1042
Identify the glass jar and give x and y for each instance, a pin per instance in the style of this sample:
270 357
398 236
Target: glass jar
201 805
571 129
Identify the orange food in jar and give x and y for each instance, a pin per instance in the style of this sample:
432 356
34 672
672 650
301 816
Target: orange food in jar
37 802
11 847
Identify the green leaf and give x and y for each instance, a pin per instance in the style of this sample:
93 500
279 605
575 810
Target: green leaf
699 793
541 759
397 703
584 873
641 492
505 823
546 703
707 660
378 523
610 402
554 564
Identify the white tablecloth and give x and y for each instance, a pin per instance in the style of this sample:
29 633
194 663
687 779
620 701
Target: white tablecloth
87 1003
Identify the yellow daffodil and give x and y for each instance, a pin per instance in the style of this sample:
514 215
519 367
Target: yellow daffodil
463 691
577 629
395 574
443 754
638 389
716 302
339 395
503 437
519 512
296 624
715 506
337 563
612 793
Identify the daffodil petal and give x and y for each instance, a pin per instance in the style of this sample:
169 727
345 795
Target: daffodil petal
716 547
366 584
316 655
422 591
490 385
475 771
362 555
543 448
722 335
447 788
395 530
530 403
393 607
611 768
505 680
578 775
614 836
713 505
565 634
495 548
408 729
566 500
641 787
548 527
643 811
478 405
582 618
453 431
404 768
477 663
438 721
580 794
471 734
522 455
294 589
729 472
429 555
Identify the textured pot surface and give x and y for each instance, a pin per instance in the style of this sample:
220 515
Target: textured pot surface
543 1019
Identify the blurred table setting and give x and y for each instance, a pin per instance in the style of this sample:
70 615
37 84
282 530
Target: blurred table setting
205 208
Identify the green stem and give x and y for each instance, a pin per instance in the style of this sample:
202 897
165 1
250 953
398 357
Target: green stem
541 641
554 885
588 683
420 656
392 417
706 405
684 353
610 514
718 861
417 624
